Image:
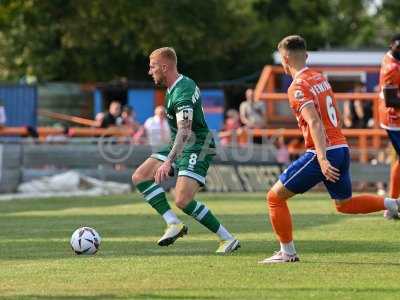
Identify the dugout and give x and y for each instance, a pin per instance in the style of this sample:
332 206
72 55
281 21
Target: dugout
20 102
344 69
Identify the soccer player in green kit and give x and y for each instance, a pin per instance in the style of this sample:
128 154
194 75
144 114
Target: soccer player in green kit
192 149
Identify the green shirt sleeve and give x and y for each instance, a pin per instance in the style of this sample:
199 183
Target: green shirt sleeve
184 99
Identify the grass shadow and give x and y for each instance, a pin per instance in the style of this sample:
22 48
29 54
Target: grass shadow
58 297
106 297
61 226
35 250
61 203
238 293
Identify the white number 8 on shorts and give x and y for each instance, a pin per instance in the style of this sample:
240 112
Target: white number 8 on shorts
192 160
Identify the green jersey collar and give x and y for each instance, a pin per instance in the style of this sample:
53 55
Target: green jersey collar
174 84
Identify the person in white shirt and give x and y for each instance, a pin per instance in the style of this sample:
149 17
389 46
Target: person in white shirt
252 114
3 118
157 128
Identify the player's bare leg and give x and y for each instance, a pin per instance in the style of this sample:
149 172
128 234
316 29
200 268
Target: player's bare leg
185 191
154 194
282 224
146 170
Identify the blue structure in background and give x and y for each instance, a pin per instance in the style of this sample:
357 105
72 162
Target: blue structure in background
213 104
142 101
372 81
98 102
286 81
20 102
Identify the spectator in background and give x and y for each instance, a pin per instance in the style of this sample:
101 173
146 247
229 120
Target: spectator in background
59 138
29 77
347 114
282 151
113 116
3 118
99 119
363 109
156 128
384 156
128 118
296 148
232 122
358 113
252 114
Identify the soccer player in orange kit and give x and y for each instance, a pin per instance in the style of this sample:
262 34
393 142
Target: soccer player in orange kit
389 108
327 157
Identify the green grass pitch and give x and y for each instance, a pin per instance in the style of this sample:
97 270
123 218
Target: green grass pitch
342 257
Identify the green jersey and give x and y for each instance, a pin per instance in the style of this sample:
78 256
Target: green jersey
183 100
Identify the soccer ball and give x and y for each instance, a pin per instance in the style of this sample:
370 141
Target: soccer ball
85 240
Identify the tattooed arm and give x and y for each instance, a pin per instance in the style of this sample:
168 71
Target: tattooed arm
182 136
184 123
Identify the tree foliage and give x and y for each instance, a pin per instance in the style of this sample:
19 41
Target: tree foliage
101 40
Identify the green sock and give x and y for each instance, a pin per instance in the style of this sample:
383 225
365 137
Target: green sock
202 214
154 195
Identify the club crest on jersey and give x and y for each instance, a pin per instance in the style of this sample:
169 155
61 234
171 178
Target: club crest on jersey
298 94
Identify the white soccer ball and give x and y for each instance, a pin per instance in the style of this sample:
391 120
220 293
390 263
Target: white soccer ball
85 240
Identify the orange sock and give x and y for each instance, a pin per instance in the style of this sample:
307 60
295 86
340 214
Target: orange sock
280 217
395 180
362 204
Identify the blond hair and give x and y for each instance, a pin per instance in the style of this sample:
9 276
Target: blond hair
166 53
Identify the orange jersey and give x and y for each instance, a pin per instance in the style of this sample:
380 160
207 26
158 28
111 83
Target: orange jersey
311 88
389 76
